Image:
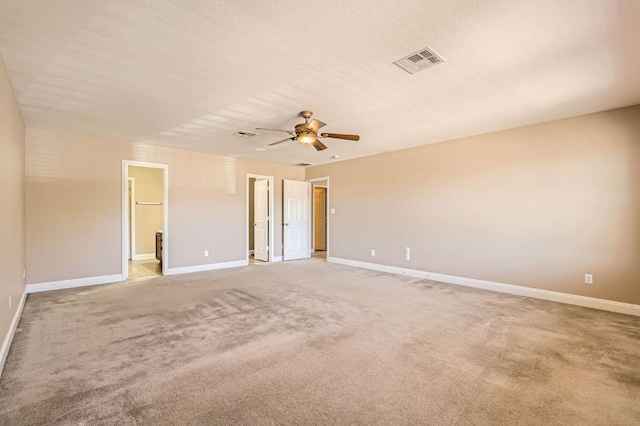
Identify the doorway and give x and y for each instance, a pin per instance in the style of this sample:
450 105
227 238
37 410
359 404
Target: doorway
145 219
319 218
320 214
260 227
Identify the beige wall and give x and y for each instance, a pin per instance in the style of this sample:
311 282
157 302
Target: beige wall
12 226
74 204
149 187
536 206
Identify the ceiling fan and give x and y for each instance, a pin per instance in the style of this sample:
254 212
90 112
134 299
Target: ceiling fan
307 133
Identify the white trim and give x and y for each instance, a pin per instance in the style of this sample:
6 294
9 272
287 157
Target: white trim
146 256
595 303
277 258
207 267
327 212
272 189
554 296
78 282
251 252
125 217
131 246
6 344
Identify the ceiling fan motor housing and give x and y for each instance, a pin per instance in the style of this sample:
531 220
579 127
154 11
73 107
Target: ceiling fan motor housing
304 128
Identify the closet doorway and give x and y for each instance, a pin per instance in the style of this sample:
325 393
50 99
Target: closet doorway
320 212
144 220
260 235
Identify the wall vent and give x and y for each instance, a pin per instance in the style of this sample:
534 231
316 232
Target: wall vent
304 164
420 60
244 134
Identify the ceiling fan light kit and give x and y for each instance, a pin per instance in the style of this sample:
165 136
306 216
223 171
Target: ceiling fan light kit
307 133
307 138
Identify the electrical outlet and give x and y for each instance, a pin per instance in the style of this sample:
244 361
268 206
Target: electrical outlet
588 279
206 253
373 252
333 211
407 253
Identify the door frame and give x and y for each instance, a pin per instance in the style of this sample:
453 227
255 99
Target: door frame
271 242
131 246
327 212
125 216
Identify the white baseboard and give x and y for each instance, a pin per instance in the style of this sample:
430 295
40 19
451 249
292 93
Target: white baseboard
554 296
277 259
6 344
207 267
147 256
78 282
106 279
251 252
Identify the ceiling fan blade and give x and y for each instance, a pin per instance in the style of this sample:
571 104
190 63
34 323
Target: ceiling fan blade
283 140
341 136
319 146
316 124
274 130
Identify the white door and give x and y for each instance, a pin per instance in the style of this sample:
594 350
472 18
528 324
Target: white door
261 220
295 218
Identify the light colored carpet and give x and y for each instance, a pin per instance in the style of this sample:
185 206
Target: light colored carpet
314 343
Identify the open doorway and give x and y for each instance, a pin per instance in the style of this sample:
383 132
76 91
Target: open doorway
320 217
144 219
260 235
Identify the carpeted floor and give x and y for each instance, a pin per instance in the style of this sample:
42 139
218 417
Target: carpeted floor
314 343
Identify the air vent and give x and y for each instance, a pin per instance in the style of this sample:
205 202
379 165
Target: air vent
304 164
244 134
420 60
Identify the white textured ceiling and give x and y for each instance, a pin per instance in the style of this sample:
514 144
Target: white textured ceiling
190 73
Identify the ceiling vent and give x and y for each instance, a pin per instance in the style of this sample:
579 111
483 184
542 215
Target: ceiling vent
244 134
420 60
304 164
